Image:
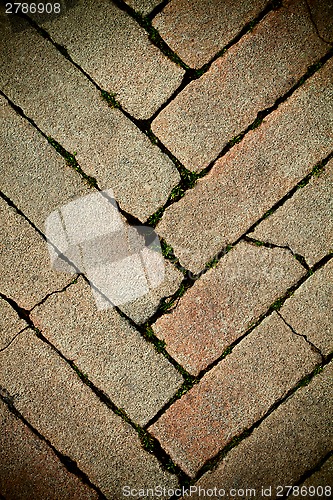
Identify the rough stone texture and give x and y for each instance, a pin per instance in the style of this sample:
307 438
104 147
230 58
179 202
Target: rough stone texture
224 302
29 468
32 168
248 78
48 393
234 394
25 267
128 64
197 30
291 441
143 6
304 223
67 106
310 310
253 175
10 323
323 477
141 309
322 15
111 352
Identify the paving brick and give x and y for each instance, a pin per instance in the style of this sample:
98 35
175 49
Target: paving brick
111 352
197 30
322 15
143 6
142 308
304 223
44 170
48 393
253 175
310 310
291 441
224 302
25 266
67 106
262 66
234 394
128 64
10 323
29 468
323 477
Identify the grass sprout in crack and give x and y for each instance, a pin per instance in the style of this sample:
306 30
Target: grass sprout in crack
91 237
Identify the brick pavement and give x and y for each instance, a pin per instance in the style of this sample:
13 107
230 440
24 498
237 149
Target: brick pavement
220 377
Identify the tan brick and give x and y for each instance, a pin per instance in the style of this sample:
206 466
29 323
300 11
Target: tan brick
291 441
67 106
262 66
197 30
29 468
143 6
48 393
128 64
111 352
25 268
322 15
234 394
304 223
10 323
321 478
254 175
224 302
310 310
44 170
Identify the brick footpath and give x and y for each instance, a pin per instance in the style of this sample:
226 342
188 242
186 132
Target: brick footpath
211 121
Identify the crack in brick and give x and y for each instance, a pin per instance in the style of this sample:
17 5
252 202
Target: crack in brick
315 25
313 346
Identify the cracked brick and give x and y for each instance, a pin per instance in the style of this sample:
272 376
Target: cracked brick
10 323
254 175
51 397
234 394
304 222
110 351
310 309
224 302
290 441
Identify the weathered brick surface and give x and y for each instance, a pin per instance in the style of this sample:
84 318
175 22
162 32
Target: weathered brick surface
310 310
67 106
25 269
44 170
10 323
253 175
197 30
29 468
47 392
111 352
304 223
143 6
142 308
323 477
248 78
224 302
128 64
234 394
291 441
322 15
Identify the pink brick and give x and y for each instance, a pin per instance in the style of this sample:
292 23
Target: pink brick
234 394
262 66
224 302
